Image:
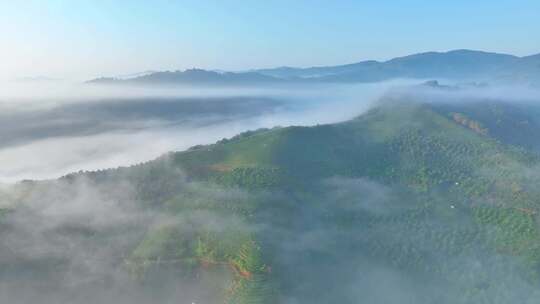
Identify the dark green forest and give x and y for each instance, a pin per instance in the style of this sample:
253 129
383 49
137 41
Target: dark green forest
410 202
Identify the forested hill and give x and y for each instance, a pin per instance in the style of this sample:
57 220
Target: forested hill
408 203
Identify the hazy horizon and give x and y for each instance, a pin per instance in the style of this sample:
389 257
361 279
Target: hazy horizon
88 39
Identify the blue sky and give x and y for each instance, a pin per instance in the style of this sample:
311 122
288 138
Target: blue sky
83 39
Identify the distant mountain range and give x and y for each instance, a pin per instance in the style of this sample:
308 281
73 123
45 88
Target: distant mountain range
193 76
458 64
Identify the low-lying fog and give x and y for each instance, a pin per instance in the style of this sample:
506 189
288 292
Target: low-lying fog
66 240
48 129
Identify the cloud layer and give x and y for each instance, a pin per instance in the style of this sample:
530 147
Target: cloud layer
71 128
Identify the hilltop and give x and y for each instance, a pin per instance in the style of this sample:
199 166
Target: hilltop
411 202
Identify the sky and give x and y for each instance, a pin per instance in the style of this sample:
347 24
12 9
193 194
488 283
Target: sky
79 40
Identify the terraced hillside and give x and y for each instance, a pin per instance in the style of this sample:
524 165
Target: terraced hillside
408 203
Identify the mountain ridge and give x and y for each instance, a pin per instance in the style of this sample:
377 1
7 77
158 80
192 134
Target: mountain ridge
426 191
460 64
423 191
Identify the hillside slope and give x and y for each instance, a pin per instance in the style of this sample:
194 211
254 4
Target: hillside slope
408 203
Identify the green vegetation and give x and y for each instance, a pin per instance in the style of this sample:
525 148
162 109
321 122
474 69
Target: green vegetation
428 193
